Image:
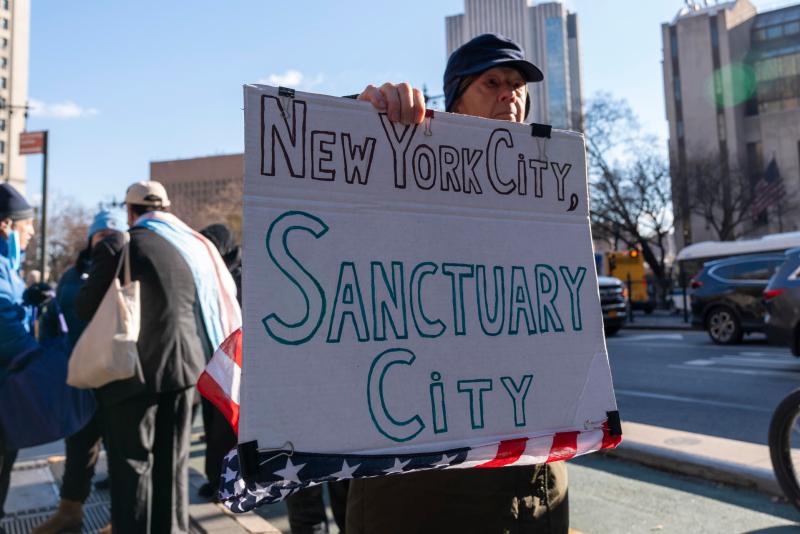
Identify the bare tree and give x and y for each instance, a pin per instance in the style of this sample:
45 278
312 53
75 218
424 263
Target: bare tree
224 206
723 195
67 225
629 182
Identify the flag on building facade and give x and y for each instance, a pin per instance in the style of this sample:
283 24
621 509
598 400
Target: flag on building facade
768 190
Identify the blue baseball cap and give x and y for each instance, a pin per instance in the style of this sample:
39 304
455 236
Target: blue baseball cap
482 53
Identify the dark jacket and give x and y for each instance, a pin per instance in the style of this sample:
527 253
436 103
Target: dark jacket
528 499
69 285
173 345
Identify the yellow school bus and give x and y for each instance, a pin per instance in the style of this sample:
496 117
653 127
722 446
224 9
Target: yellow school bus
625 264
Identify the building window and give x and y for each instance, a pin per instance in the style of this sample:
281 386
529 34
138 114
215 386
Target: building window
773 32
3 63
5 5
558 92
778 83
2 125
755 162
2 169
714 32
3 82
679 129
4 43
676 82
4 23
2 147
673 42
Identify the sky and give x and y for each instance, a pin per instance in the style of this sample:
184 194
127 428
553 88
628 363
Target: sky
120 84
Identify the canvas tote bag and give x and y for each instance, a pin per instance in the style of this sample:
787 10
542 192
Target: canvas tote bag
106 350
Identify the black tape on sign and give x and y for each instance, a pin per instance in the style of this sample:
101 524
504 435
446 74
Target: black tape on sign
614 423
248 460
286 91
541 130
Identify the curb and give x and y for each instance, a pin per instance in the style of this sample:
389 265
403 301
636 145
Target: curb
701 466
644 326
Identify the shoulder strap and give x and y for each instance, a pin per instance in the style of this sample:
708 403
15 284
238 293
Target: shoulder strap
126 259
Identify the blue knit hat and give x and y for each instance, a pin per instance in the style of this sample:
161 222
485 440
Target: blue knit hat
13 205
482 53
106 220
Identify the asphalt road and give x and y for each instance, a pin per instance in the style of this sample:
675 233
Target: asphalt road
682 380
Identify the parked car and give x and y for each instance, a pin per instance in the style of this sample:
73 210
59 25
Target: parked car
727 296
612 300
782 301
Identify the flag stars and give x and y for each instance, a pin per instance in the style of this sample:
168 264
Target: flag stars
397 467
346 471
289 473
446 460
230 474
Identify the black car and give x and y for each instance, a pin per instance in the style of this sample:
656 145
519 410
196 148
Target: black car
727 296
782 300
612 300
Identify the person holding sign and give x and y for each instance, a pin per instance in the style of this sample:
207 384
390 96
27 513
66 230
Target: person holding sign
487 77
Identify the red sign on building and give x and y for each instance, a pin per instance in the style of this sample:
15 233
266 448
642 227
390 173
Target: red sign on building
31 143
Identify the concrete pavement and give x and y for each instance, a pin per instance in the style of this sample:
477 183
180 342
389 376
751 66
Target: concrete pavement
719 458
35 482
658 320
712 458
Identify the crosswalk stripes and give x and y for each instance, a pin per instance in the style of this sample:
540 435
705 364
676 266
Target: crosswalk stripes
747 363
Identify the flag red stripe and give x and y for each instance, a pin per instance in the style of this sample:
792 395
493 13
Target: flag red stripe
508 452
211 391
232 346
565 446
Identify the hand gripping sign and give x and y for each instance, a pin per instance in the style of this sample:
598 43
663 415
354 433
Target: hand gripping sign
415 297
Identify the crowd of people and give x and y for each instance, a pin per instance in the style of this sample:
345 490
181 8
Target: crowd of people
143 422
189 305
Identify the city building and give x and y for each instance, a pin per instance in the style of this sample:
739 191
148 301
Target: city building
204 190
14 44
549 35
732 88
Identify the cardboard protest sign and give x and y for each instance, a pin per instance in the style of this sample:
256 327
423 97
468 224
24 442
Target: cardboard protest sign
414 289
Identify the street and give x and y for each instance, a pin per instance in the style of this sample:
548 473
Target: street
682 380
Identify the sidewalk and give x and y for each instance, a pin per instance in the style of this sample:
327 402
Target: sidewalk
33 497
34 484
721 460
658 320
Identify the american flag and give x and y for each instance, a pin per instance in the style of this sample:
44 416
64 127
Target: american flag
277 473
768 190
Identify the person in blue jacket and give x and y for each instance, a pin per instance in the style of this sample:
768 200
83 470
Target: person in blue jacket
83 447
16 231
